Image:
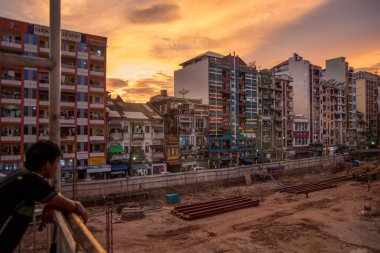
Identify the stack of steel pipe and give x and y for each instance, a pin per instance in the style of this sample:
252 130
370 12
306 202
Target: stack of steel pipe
205 209
306 188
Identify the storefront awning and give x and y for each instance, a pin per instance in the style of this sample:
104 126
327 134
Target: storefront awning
116 167
140 166
115 149
175 163
98 169
156 146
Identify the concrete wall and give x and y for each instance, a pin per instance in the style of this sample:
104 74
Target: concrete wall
98 188
361 97
337 69
194 78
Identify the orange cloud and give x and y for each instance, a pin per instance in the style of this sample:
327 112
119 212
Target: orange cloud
147 39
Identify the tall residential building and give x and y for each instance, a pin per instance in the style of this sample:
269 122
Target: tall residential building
333 112
266 106
25 93
338 69
136 138
275 115
306 81
187 120
228 85
367 85
284 114
301 136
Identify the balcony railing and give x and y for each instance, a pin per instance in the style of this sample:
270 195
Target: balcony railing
137 136
72 232
116 136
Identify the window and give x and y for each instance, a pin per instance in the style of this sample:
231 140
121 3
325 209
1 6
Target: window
146 149
146 129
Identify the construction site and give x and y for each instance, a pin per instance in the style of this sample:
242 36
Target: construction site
334 207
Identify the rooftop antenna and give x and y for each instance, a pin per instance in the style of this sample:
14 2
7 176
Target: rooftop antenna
183 92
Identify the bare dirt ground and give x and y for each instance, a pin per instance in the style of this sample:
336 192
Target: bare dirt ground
328 221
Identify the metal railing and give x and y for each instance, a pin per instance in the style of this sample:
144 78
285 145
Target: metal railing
73 235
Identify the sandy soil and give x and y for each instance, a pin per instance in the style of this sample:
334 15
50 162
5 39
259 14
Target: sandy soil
328 221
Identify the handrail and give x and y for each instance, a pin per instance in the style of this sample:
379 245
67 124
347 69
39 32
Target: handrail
83 236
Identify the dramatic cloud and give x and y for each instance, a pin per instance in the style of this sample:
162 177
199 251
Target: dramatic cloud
373 68
160 13
148 39
115 83
167 48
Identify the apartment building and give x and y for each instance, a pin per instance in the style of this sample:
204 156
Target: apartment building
136 138
187 120
338 69
301 136
306 100
333 113
266 110
284 114
25 94
228 86
367 95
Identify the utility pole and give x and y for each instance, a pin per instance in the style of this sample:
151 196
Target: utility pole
55 78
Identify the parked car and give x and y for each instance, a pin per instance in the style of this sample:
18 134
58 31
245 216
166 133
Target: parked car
199 168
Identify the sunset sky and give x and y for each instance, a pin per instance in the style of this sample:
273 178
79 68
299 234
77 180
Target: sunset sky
147 39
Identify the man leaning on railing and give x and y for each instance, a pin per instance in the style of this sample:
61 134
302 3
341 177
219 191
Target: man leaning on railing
20 189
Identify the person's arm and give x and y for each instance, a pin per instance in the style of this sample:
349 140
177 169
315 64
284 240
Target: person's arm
63 204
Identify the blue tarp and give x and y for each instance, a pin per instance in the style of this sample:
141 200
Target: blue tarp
355 163
119 167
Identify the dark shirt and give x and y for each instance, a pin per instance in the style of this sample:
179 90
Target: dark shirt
18 192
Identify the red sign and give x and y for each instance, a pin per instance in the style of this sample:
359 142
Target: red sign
301 134
13 25
96 40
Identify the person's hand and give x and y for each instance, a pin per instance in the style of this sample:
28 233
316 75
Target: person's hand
47 217
79 209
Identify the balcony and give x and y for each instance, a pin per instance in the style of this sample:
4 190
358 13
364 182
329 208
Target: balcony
6 157
96 138
11 80
97 87
137 136
99 105
158 156
66 68
116 137
96 153
11 42
68 155
118 157
158 135
11 138
96 56
97 72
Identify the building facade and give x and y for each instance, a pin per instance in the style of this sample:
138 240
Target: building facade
136 142
333 113
284 115
301 136
228 86
187 120
338 69
24 98
306 94
367 95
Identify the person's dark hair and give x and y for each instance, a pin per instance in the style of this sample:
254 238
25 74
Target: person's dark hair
39 153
